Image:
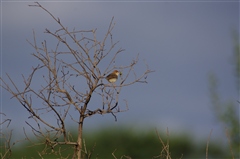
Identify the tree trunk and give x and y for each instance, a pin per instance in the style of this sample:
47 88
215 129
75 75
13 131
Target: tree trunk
79 139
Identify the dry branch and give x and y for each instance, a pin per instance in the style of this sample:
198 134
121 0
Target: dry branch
58 92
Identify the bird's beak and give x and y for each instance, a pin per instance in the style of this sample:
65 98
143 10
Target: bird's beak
120 73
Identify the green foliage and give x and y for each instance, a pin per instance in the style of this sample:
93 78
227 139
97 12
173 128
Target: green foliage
38 150
145 145
228 112
124 142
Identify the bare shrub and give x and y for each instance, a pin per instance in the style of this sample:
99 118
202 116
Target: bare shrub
67 78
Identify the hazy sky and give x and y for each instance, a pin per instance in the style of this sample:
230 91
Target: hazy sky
182 41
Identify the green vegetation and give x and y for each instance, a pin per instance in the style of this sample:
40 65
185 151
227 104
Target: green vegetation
227 112
123 143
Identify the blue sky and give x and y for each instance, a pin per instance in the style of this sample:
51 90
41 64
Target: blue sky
182 41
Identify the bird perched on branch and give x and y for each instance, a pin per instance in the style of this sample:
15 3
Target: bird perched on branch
112 77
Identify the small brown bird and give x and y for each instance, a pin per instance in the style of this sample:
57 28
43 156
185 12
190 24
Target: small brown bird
112 77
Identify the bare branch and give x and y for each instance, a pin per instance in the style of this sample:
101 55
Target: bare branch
69 76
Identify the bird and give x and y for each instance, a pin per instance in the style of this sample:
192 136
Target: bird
112 77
